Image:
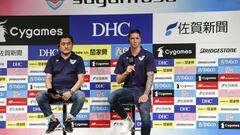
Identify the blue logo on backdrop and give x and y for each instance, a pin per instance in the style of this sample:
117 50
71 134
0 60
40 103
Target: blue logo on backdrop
109 29
17 94
99 108
119 49
229 117
207 124
99 93
36 79
138 124
3 94
185 93
82 116
42 52
86 63
2 124
170 28
163 86
184 78
207 101
100 86
86 92
229 62
113 78
185 108
17 64
207 70
229 70
17 86
3 71
34 109
164 62
163 116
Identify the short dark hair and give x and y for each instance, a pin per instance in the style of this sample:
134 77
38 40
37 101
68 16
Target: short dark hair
134 31
64 36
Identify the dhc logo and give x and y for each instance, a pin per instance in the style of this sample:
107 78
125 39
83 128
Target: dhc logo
47 52
104 29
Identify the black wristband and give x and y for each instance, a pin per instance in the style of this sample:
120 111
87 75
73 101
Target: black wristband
50 90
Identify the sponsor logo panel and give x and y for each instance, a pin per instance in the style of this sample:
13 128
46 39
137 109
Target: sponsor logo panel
228 109
81 123
184 93
164 62
185 124
34 29
229 124
207 109
163 108
171 51
17 71
184 116
163 116
185 70
207 93
163 124
99 123
207 117
42 52
112 29
207 124
185 108
13 53
93 52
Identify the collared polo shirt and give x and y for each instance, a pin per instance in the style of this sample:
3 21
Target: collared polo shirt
144 62
65 72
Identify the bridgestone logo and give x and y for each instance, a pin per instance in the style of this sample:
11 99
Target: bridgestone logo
218 50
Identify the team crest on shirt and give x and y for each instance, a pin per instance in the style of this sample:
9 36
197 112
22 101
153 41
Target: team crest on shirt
141 58
73 61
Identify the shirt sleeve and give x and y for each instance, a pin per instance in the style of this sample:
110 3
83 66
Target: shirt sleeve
120 66
49 66
80 66
151 67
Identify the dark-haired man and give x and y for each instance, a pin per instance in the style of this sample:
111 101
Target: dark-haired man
135 68
64 78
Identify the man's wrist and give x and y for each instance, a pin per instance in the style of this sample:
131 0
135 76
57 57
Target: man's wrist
72 92
126 73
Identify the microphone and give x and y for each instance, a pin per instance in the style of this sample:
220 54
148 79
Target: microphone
131 61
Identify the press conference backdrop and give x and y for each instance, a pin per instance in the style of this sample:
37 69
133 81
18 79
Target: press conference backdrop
195 43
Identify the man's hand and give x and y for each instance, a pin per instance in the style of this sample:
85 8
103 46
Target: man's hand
56 96
66 95
130 68
143 98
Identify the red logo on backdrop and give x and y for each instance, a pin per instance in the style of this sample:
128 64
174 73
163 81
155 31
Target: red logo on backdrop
2 109
33 93
207 85
115 116
229 77
86 78
114 63
163 100
17 101
100 123
55 4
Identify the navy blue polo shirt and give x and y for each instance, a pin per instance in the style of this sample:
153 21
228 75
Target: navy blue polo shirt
64 72
144 62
